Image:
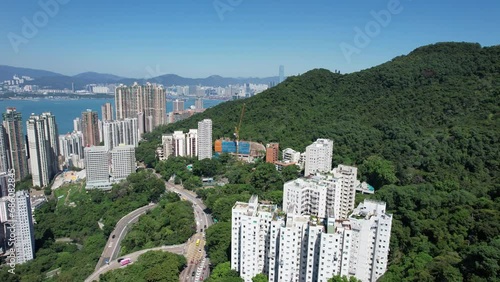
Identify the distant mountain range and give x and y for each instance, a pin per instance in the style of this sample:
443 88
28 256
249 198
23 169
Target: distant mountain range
54 80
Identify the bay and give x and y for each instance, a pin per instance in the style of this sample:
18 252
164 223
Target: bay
66 110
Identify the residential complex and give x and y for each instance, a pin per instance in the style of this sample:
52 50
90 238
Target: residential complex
97 167
306 248
147 103
195 143
16 222
101 164
43 148
118 132
272 152
107 112
319 157
14 140
205 139
71 149
90 128
122 162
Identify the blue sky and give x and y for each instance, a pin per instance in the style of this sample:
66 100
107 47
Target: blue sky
249 38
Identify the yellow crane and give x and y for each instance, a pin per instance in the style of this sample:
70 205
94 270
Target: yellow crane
237 130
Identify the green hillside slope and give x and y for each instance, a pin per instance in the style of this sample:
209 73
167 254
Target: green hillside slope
432 116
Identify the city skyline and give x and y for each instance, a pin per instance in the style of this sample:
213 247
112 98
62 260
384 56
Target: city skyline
233 35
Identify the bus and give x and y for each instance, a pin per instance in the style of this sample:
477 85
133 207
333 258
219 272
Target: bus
198 242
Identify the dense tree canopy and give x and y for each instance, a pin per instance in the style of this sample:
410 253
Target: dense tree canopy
154 266
78 258
431 119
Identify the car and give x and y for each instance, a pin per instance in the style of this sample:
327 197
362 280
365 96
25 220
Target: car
106 261
199 250
193 274
113 237
205 226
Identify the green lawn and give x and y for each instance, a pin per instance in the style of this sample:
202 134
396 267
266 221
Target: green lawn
77 194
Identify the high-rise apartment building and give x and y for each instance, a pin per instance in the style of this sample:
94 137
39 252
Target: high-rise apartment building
348 181
77 124
39 149
319 157
24 230
71 147
107 112
179 148
178 105
97 167
12 123
90 128
307 249
192 143
127 101
198 104
272 151
323 195
205 139
4 151
154 104
147 103
121 132
122 162
52 134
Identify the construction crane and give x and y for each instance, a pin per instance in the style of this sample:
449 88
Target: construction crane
237 130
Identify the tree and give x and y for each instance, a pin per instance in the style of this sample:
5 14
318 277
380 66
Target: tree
260 278
222 272
290 172
379 172
344 278
266 178
206 168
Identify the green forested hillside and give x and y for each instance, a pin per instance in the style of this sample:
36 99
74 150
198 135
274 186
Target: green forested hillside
432 116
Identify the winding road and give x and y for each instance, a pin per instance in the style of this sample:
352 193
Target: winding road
197 268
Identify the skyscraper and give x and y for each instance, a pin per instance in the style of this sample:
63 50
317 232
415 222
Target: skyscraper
192 143
304 248
52 134
71 148
97 167
319 157
148 100
198 104
154 103
77 124
178 105
205 139
121 132
282 74
122 161
39 149
107 112
90 128
12 122
4 151
127 101
24 230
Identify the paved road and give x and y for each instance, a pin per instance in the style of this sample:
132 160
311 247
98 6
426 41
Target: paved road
112 248
114 264
193 250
